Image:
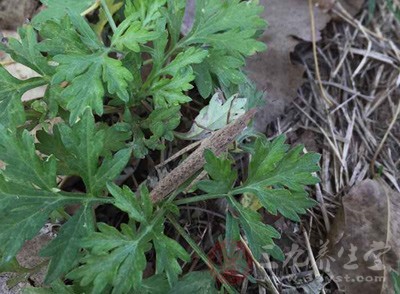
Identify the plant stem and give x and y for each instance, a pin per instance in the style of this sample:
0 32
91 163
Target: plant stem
199 198
93 7
200 253
108 15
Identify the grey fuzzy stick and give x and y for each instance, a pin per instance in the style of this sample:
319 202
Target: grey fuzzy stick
217 143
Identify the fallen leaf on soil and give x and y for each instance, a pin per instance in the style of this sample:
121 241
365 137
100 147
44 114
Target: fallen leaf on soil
14 13
272 70
215 116
363 245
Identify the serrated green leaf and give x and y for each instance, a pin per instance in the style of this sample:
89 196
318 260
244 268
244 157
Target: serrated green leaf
278 177
219 66
11 90
115 137
56 9
221 172
133 34
60 37
78 149
26 51
127 201
64 250
190 56
114 257
215 116
229 29
232 233
259 235
168 251
156 284
214 19
22 163
195 282
28 191
174 15
203 79
78 69
228 41
117 77
168 92
24 211
146 11
161 123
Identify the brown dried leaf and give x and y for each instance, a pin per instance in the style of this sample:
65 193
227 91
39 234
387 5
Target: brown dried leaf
364 243
14 13
272 70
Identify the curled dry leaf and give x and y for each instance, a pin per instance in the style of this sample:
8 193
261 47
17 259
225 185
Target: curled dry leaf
363 246
215 116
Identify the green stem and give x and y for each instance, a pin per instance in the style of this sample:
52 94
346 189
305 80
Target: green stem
199 198
108 15
201 254
33 83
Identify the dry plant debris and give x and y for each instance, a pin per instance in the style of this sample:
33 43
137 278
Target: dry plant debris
364 240
357 130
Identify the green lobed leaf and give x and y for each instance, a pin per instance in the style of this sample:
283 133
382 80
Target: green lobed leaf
127 201
115 137
168 92
11 90
214 19
78 149
28 195
226 69
61 37
96 68
221 172
146 11
116 77
133 36
190 56
26 51
23 165
174 14
64 250
200 282
162 122
278 176
259 235
78 69
168 251
114 255
229 30
156 284
56 9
